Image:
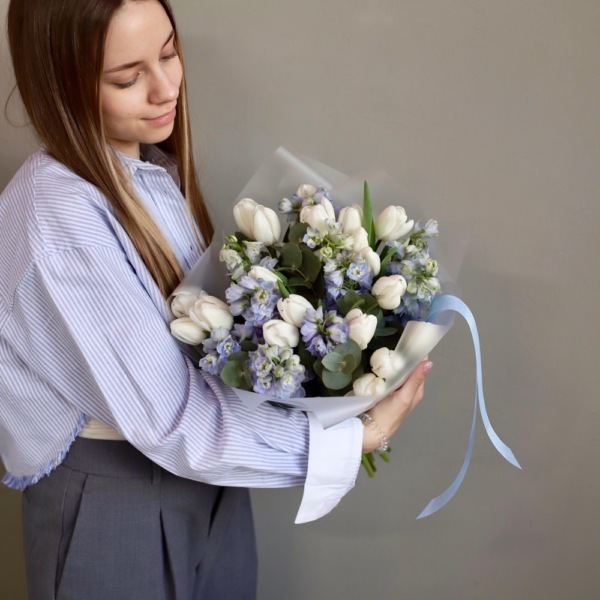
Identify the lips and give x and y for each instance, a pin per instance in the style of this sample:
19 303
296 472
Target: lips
164 119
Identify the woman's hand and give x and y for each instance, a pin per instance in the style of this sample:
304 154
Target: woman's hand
391 412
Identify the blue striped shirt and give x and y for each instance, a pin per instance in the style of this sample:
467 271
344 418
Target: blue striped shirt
84 333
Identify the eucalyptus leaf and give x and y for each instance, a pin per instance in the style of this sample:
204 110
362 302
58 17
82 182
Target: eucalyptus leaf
351 348
291 256
238 356
336 380
297 232
233 374
348 364
333 361
347 302
311 265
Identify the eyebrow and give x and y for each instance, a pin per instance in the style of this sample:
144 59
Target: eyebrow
139 62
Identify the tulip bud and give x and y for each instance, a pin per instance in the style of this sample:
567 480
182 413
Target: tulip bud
361 239
186 331
210 312
293 308
266 226
243 213
317 214
257 222
351 219
373 259
385 362
280 333
258 272
391 224
368 385
182 302
361 327
389 290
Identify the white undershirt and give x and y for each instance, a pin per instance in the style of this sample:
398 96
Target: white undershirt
96 430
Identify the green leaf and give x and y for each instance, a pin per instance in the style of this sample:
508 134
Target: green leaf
291 256
370 304
238 356
299 282
385 331
233 374
297 232
347 302
318 368
351 348
333 361
311 265
367 220
348 364
336 381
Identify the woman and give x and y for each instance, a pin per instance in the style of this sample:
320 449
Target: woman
134 464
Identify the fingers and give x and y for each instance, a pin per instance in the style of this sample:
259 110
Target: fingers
414 384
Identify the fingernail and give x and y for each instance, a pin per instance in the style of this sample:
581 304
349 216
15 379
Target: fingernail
427 366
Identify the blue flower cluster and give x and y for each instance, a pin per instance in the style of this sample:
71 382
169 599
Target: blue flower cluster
276 371
217 348
255 300
411 259
321 332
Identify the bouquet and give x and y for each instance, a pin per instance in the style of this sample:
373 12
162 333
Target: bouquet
326 313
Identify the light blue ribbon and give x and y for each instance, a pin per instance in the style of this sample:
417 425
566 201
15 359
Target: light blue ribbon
439 308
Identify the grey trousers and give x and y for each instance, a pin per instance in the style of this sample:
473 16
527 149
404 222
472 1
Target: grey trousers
108 524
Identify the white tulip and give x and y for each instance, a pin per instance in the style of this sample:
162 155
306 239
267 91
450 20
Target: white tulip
316 215
280 333
257 222
392 224
182 302
368 385
243 213
373 259
257 272
210 312
361 239
293 308
385 362
186 331
361 327
351 218
266 227
389 290
306 191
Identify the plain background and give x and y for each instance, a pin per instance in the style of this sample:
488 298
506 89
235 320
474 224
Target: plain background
483 111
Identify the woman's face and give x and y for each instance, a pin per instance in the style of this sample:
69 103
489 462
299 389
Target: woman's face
141 77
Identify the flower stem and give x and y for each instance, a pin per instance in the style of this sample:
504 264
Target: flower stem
367 462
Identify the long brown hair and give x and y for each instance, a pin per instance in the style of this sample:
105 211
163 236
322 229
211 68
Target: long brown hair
57 49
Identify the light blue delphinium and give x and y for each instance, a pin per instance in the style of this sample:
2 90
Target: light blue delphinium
276 371
254 300
323 332
217 348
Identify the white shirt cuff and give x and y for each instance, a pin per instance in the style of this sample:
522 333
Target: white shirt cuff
333 461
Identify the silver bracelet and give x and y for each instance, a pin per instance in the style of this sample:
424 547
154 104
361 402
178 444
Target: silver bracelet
385 442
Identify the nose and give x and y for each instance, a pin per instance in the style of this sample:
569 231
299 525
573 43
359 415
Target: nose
164 88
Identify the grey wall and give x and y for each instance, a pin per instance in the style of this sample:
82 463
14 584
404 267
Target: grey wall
482 110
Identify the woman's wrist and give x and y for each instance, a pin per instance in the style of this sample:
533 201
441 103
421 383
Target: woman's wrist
375 439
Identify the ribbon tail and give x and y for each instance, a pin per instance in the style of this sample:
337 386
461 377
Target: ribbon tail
445 497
